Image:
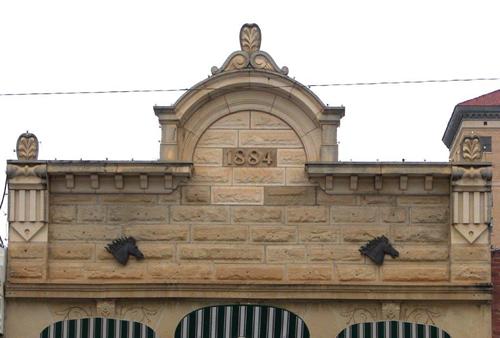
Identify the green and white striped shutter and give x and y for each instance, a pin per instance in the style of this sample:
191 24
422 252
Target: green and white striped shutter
392 329
249 321
97 328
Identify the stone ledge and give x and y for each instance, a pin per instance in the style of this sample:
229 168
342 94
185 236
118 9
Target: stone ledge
226 290
318 169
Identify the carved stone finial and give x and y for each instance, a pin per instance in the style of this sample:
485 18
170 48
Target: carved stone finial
27 147
250 56
250 37
472 149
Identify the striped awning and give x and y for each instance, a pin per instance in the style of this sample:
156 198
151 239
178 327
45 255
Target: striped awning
249 321
392 329
97 328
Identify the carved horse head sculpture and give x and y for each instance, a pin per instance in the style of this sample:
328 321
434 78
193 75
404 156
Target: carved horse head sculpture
123 247
377 248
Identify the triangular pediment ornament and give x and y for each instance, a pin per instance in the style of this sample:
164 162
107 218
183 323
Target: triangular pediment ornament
250 56
27 229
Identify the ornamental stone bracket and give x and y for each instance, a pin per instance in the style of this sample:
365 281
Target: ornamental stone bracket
250 56
471 199
27 198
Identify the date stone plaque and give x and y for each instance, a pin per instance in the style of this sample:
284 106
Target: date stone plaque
250 157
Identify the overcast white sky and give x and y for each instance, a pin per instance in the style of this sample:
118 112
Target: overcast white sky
118 45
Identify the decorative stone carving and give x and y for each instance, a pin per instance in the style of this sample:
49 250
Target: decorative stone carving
472 149
391 311
65 312
122 248
377 248
359 315
250 56
106 308
421 315
140 313
27 147
471 200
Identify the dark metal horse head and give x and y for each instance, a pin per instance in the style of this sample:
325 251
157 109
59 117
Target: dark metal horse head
121 248
377 248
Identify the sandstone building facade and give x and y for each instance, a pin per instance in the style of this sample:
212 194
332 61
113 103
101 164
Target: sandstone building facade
249 227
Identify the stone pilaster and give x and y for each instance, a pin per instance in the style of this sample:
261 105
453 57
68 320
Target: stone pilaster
169 129
329 121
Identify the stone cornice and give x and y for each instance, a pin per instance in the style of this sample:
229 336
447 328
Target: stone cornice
318 169
448 292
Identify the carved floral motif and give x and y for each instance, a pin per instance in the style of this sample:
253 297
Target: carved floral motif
250 37
27 147
420 315
391 311
105 308
140 313
359 315
71 312
472 149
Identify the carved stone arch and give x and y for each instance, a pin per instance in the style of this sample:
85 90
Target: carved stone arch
236 91
392 329
95 327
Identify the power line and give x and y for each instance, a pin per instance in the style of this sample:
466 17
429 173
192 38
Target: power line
339 84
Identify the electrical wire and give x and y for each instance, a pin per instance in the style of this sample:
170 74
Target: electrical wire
4 193
340 84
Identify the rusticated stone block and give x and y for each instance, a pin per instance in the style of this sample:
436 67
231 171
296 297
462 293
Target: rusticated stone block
258 214
429 215
72 199
291 157
297 176
318 233
84 232
356 272
471 272
238 195
343 214
219 138
287 253
274 234
71 251
220 233
310 272
394 215
164 232
208 156
26 250
172 198
362 233
289 195
212 175
197 194
312 214
377 200
269 138
402 233
469 252
133 213
323 253
202 214
415 273
107 271
26 270
239 120
62 214
267 121
128 199
249 272
219 252
69 271
91 214
423 200
180 272
259 176
422 253
337 200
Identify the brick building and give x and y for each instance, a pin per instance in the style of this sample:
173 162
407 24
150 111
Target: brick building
248 226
